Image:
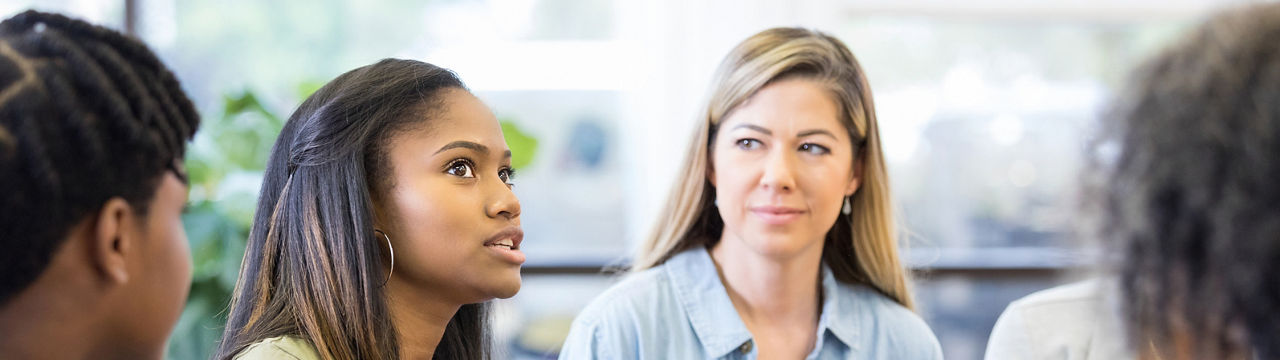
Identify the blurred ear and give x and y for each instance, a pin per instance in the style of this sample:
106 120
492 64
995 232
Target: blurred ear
711 173
381 214
710 161
114 237
855 176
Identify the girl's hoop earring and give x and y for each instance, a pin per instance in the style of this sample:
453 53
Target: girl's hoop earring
393 256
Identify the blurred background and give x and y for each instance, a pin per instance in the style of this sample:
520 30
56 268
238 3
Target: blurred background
985 107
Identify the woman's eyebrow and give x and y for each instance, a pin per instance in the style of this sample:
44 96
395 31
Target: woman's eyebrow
800 134
816 132
754 127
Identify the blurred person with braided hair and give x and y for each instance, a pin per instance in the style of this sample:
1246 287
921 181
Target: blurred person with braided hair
93 129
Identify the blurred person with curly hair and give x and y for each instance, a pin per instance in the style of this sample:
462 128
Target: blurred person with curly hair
1185 192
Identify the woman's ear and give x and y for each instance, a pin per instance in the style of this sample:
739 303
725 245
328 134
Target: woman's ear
711 164
855 175
114 239
711 173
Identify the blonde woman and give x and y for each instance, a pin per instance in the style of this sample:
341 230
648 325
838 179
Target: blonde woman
779 243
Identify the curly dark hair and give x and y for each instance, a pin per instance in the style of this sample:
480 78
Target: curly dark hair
1189 197
86 114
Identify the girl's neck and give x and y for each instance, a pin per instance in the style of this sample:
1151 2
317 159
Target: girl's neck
420 319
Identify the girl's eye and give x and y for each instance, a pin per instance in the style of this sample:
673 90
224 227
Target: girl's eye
506 175
748 144
815 149
460 168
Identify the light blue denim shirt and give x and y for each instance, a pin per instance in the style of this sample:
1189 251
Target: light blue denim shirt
680 310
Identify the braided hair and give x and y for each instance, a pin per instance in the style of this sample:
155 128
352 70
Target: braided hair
86 114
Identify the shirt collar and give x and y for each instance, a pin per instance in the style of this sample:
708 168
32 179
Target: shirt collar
706 302
703 296
840 312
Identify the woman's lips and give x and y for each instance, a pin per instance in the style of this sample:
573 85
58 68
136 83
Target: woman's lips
506 245
776 215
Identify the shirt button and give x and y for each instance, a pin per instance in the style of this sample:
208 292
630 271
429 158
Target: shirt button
746 347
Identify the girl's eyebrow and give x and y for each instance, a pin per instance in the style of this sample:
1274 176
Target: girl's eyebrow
483 150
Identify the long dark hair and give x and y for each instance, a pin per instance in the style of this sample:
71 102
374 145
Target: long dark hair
1190 197
86 114
313 267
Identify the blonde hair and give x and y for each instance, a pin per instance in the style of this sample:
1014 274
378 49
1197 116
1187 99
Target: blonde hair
861 247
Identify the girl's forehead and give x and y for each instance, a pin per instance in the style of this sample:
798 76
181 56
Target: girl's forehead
478 131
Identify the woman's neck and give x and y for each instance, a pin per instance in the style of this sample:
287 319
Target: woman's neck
770 291
419 318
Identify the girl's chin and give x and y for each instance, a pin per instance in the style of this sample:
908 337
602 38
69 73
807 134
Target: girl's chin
506 289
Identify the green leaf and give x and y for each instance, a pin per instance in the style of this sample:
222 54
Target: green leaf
306 88
523 146
235 104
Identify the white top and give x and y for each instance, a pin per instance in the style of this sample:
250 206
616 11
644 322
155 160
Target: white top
1070 322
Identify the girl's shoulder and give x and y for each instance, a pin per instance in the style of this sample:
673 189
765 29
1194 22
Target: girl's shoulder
280 347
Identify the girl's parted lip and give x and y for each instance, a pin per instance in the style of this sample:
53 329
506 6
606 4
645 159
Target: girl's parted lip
509 237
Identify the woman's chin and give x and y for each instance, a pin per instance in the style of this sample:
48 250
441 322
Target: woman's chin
781 246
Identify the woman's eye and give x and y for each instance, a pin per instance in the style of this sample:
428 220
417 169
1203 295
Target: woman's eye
748 144
460 168
815 149
506 175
